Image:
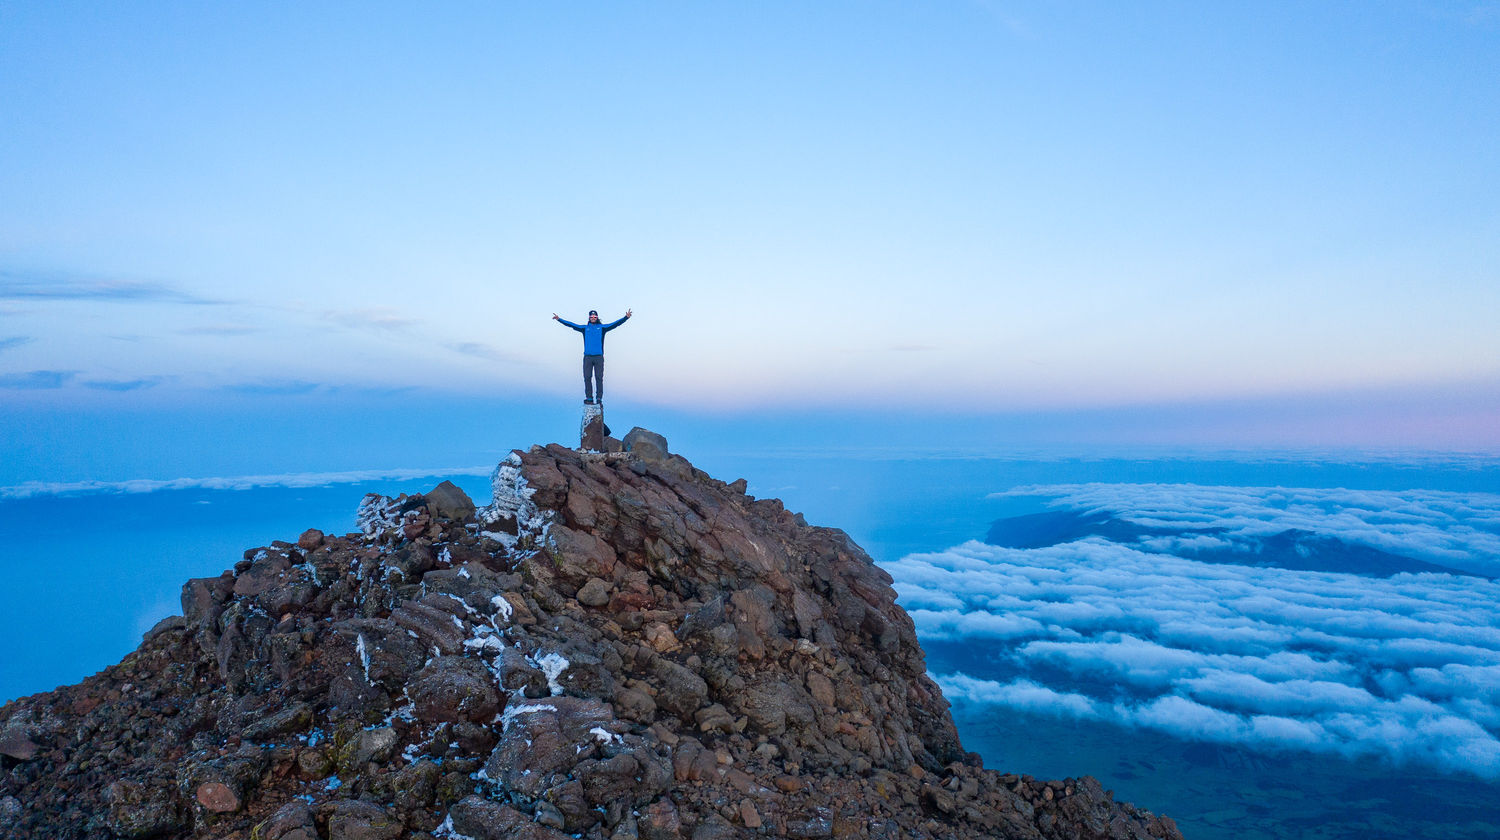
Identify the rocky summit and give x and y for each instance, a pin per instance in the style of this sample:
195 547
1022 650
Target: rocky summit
619 646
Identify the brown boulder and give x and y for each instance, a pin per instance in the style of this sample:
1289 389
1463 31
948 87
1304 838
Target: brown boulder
454 688
310 539
646 445
449 501
217 797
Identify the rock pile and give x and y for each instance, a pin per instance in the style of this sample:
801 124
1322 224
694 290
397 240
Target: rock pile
619 646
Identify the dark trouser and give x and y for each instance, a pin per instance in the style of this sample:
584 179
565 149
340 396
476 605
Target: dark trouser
595 364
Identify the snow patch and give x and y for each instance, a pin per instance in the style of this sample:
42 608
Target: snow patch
502 607
553 664
377 514
312 573
484 639
513 501
364 657
446 830
514 712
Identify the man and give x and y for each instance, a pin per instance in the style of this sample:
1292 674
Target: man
593 352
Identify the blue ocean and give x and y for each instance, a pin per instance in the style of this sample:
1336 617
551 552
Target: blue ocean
1258 646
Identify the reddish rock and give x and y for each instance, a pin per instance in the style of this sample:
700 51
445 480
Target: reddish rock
454 688
592 430
310 539
217 797
748 815
17 747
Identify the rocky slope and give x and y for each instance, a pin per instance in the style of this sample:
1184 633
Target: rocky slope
618 647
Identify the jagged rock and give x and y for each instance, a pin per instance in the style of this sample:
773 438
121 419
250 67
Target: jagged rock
660 821
136 810
166 625
485 820
678 690
367 745
295 718
454 688
593 593
292 821
449 501
591 430
646 445
616 647
543 739
354 819
516 673
18 747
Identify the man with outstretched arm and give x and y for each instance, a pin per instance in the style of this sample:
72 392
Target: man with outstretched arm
593 352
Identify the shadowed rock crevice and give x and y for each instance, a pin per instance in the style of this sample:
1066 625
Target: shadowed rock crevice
618 646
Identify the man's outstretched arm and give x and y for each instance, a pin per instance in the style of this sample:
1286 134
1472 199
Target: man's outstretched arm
608 327
566 322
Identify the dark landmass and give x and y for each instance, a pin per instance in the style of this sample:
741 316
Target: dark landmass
619 647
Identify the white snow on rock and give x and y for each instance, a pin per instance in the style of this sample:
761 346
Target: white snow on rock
486 643
513 501
553 664
377 514
448 832
604 736
364 657
312 573
502 607
513 712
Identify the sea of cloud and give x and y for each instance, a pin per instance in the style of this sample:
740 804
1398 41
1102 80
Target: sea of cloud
1406 668
1458 530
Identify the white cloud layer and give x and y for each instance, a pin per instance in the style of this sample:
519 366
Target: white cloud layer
1459 530
1407 667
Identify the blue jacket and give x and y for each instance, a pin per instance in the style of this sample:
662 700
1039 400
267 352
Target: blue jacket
593 334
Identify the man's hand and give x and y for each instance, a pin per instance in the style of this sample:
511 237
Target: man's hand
555 318
627 313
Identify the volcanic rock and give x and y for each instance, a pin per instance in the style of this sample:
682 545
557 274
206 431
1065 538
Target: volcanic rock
646 445
618 646
447 501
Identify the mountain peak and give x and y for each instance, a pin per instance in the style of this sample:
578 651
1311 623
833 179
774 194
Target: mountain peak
617 646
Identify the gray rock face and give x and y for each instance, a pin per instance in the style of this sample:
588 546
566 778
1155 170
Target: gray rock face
618 647
448 501
646 445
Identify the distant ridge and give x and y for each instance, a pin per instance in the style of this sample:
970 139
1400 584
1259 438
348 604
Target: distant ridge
32 489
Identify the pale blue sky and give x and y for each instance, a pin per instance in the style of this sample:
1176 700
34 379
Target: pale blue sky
1283 213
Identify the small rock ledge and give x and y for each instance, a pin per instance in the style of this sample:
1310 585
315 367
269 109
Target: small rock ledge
617 647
